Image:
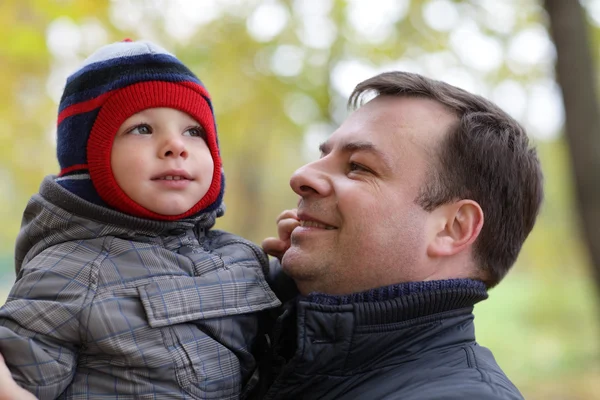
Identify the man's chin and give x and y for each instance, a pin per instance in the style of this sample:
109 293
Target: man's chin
286 261
292 260
300 265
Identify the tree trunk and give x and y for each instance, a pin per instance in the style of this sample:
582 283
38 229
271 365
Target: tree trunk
575 73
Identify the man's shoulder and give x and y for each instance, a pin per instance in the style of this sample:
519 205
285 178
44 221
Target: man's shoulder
459 372
448 379
478 376
492 375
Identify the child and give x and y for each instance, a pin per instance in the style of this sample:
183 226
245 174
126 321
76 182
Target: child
122 286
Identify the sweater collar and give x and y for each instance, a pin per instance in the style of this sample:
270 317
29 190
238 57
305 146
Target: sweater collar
404 301
396 303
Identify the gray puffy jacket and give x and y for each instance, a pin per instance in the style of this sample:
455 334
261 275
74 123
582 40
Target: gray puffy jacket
107 304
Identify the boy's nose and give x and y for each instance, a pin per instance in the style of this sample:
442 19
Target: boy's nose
174 146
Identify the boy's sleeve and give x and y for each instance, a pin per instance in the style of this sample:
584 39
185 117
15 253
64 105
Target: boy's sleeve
39 324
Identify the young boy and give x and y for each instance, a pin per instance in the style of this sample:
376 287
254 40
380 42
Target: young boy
122 286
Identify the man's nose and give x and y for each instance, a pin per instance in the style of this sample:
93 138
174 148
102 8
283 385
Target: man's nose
310 180
173 146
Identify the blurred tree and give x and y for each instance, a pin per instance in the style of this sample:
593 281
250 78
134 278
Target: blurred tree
27 113
575 74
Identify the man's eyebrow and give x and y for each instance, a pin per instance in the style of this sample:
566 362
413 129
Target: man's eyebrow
351 147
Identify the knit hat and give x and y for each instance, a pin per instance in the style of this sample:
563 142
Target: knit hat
115 82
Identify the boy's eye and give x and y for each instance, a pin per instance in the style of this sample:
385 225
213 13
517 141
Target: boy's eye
196 131
142 129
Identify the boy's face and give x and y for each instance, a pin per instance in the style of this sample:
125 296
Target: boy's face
160 160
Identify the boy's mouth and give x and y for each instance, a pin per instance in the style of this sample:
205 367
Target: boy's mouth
177 175
171 178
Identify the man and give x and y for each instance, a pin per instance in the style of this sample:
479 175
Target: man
420 202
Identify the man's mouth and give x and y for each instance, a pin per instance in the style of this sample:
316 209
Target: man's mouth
314 224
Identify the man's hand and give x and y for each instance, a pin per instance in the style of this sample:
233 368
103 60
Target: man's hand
9 390
286 222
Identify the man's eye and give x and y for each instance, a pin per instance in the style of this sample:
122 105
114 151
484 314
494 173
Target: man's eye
195 132
142 129
357 167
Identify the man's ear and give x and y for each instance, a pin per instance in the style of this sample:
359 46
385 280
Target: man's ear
455 227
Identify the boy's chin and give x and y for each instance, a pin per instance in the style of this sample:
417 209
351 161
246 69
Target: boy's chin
170 210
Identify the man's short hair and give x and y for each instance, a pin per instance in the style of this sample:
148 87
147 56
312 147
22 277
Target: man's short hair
485 157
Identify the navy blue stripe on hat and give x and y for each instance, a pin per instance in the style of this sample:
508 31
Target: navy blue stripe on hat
116 76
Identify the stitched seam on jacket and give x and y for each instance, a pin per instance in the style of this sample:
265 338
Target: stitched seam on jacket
482 373
470 362
351 340
262 259
263 263
94 271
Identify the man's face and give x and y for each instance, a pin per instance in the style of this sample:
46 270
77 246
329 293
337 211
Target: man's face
360 225
161 161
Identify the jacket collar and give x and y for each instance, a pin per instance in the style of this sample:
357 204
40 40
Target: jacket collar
51 191
55 209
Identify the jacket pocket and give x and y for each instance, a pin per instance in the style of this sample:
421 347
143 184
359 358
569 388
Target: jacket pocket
206 323
217 294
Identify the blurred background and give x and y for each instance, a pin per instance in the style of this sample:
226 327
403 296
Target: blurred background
280 72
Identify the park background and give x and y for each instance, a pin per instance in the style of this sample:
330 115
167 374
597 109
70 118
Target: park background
279 73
